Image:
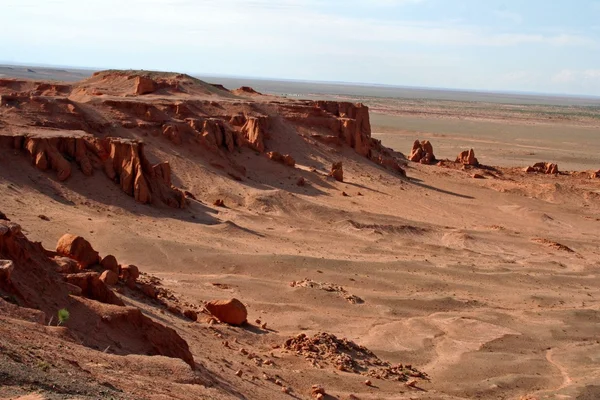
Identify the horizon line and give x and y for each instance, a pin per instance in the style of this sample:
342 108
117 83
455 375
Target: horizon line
317 81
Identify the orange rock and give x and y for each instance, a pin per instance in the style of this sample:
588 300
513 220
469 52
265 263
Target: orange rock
129 274
231 311
93 288
109 277
544 168
289 160
422 152
255 131
110 263
337 171
467 157
77 248
144 85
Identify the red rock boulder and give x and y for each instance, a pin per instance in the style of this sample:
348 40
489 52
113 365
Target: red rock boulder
422 152
109 277
337 171
543 168
467 157
231 312
129 274
77 248
110 263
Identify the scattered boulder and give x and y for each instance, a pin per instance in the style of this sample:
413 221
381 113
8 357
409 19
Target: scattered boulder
422 152
231 311
77 248
301 181
219 203
6 269
337 171
3 216
129 274
109 277
478 176
595 175
543 168
110 263
467 157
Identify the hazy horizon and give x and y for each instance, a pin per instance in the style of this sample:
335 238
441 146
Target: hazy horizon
318 82
498 45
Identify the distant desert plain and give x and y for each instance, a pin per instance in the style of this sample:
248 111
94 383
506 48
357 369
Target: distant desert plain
374 255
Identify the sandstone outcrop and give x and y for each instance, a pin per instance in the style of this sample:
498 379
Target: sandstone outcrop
93 287
36 284
122 160
543 168
467 157
337 171
231 312
144 85
78 249
422 152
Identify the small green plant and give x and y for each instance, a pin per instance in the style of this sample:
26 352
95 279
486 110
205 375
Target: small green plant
63 316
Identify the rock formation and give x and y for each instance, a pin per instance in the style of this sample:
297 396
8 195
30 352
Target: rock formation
285 159
467 157
231 312
36 284
422 152
337 171
544 168
122 160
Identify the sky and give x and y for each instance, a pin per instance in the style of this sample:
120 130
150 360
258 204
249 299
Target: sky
543 46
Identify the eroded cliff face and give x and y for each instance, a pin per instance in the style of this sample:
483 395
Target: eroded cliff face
121 160
101 124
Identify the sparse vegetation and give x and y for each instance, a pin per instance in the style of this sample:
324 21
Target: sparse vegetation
63 316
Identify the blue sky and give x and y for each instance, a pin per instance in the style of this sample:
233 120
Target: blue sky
547 46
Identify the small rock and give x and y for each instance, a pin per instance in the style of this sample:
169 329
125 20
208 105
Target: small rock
219 203
43 217
368 383
239 373
344 194
301 182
